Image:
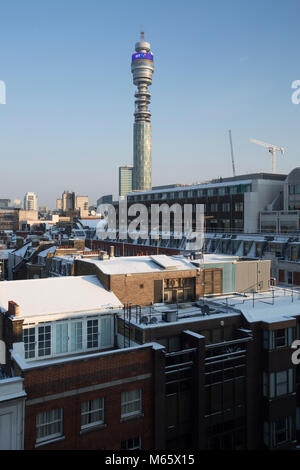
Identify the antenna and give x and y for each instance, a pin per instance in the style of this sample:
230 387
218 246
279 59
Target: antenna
142 36
232 156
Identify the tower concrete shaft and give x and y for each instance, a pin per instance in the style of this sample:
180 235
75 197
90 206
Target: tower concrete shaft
142 68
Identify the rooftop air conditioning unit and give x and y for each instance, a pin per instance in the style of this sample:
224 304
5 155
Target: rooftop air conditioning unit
170 316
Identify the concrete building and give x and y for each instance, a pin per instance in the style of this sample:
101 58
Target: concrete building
125 180
107 199
58 204
230 204
5 203
17 203
142 68
82 204
30 202
68 201
12 218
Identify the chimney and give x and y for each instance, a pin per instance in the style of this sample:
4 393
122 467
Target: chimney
111 251
13 308
103 255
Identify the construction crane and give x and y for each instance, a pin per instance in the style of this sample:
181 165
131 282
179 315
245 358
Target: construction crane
231 149
272 149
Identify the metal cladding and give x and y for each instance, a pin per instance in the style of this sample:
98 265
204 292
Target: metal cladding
142 68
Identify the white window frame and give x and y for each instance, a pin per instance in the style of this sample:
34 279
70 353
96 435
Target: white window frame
126 400
60 324
102 320
89 412
43 325
30 327
49 437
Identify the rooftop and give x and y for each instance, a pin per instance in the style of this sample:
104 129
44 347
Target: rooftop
275 305
159 315
230 181
142 264
57 296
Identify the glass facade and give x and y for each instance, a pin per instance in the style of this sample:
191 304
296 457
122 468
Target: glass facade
125 180
142 155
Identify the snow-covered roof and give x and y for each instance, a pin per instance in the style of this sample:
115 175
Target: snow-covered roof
21 251
57 296
91 223
45 253
142 264
219 258
4 253
283 304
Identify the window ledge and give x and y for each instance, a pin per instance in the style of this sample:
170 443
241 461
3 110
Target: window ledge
97 427
129 418
44 443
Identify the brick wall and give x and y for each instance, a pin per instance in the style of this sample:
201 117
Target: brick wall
47 385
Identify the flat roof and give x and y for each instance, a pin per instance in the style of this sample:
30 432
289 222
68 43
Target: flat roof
209 185
57 295
271 306
230 181
219 258
142 264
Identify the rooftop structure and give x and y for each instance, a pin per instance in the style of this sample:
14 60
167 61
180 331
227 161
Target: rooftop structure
57 296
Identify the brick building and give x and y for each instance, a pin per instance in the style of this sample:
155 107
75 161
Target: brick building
144 280
211 373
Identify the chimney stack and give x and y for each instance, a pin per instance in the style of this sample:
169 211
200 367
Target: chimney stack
13 308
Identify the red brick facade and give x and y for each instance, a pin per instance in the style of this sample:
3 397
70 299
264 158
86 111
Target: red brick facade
110 375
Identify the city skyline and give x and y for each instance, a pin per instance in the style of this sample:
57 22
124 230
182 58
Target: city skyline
68 113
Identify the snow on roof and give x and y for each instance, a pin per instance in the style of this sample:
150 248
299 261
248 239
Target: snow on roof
21 251
57 295
140 264
45 253
219 258
285 305
91 223
4 253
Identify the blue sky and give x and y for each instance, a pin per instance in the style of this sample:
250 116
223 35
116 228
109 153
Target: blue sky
219 65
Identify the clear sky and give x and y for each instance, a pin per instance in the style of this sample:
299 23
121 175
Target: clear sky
219 65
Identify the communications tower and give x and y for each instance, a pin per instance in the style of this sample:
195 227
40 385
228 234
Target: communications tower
142 68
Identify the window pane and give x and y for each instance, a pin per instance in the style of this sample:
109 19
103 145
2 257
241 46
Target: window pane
92 412
76 336
44 340
92 334
61 338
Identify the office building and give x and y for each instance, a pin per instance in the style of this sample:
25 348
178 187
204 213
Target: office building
68 201
82 205
125 180
4 203
30 202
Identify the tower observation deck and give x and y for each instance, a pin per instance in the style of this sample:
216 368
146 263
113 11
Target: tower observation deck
142 68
